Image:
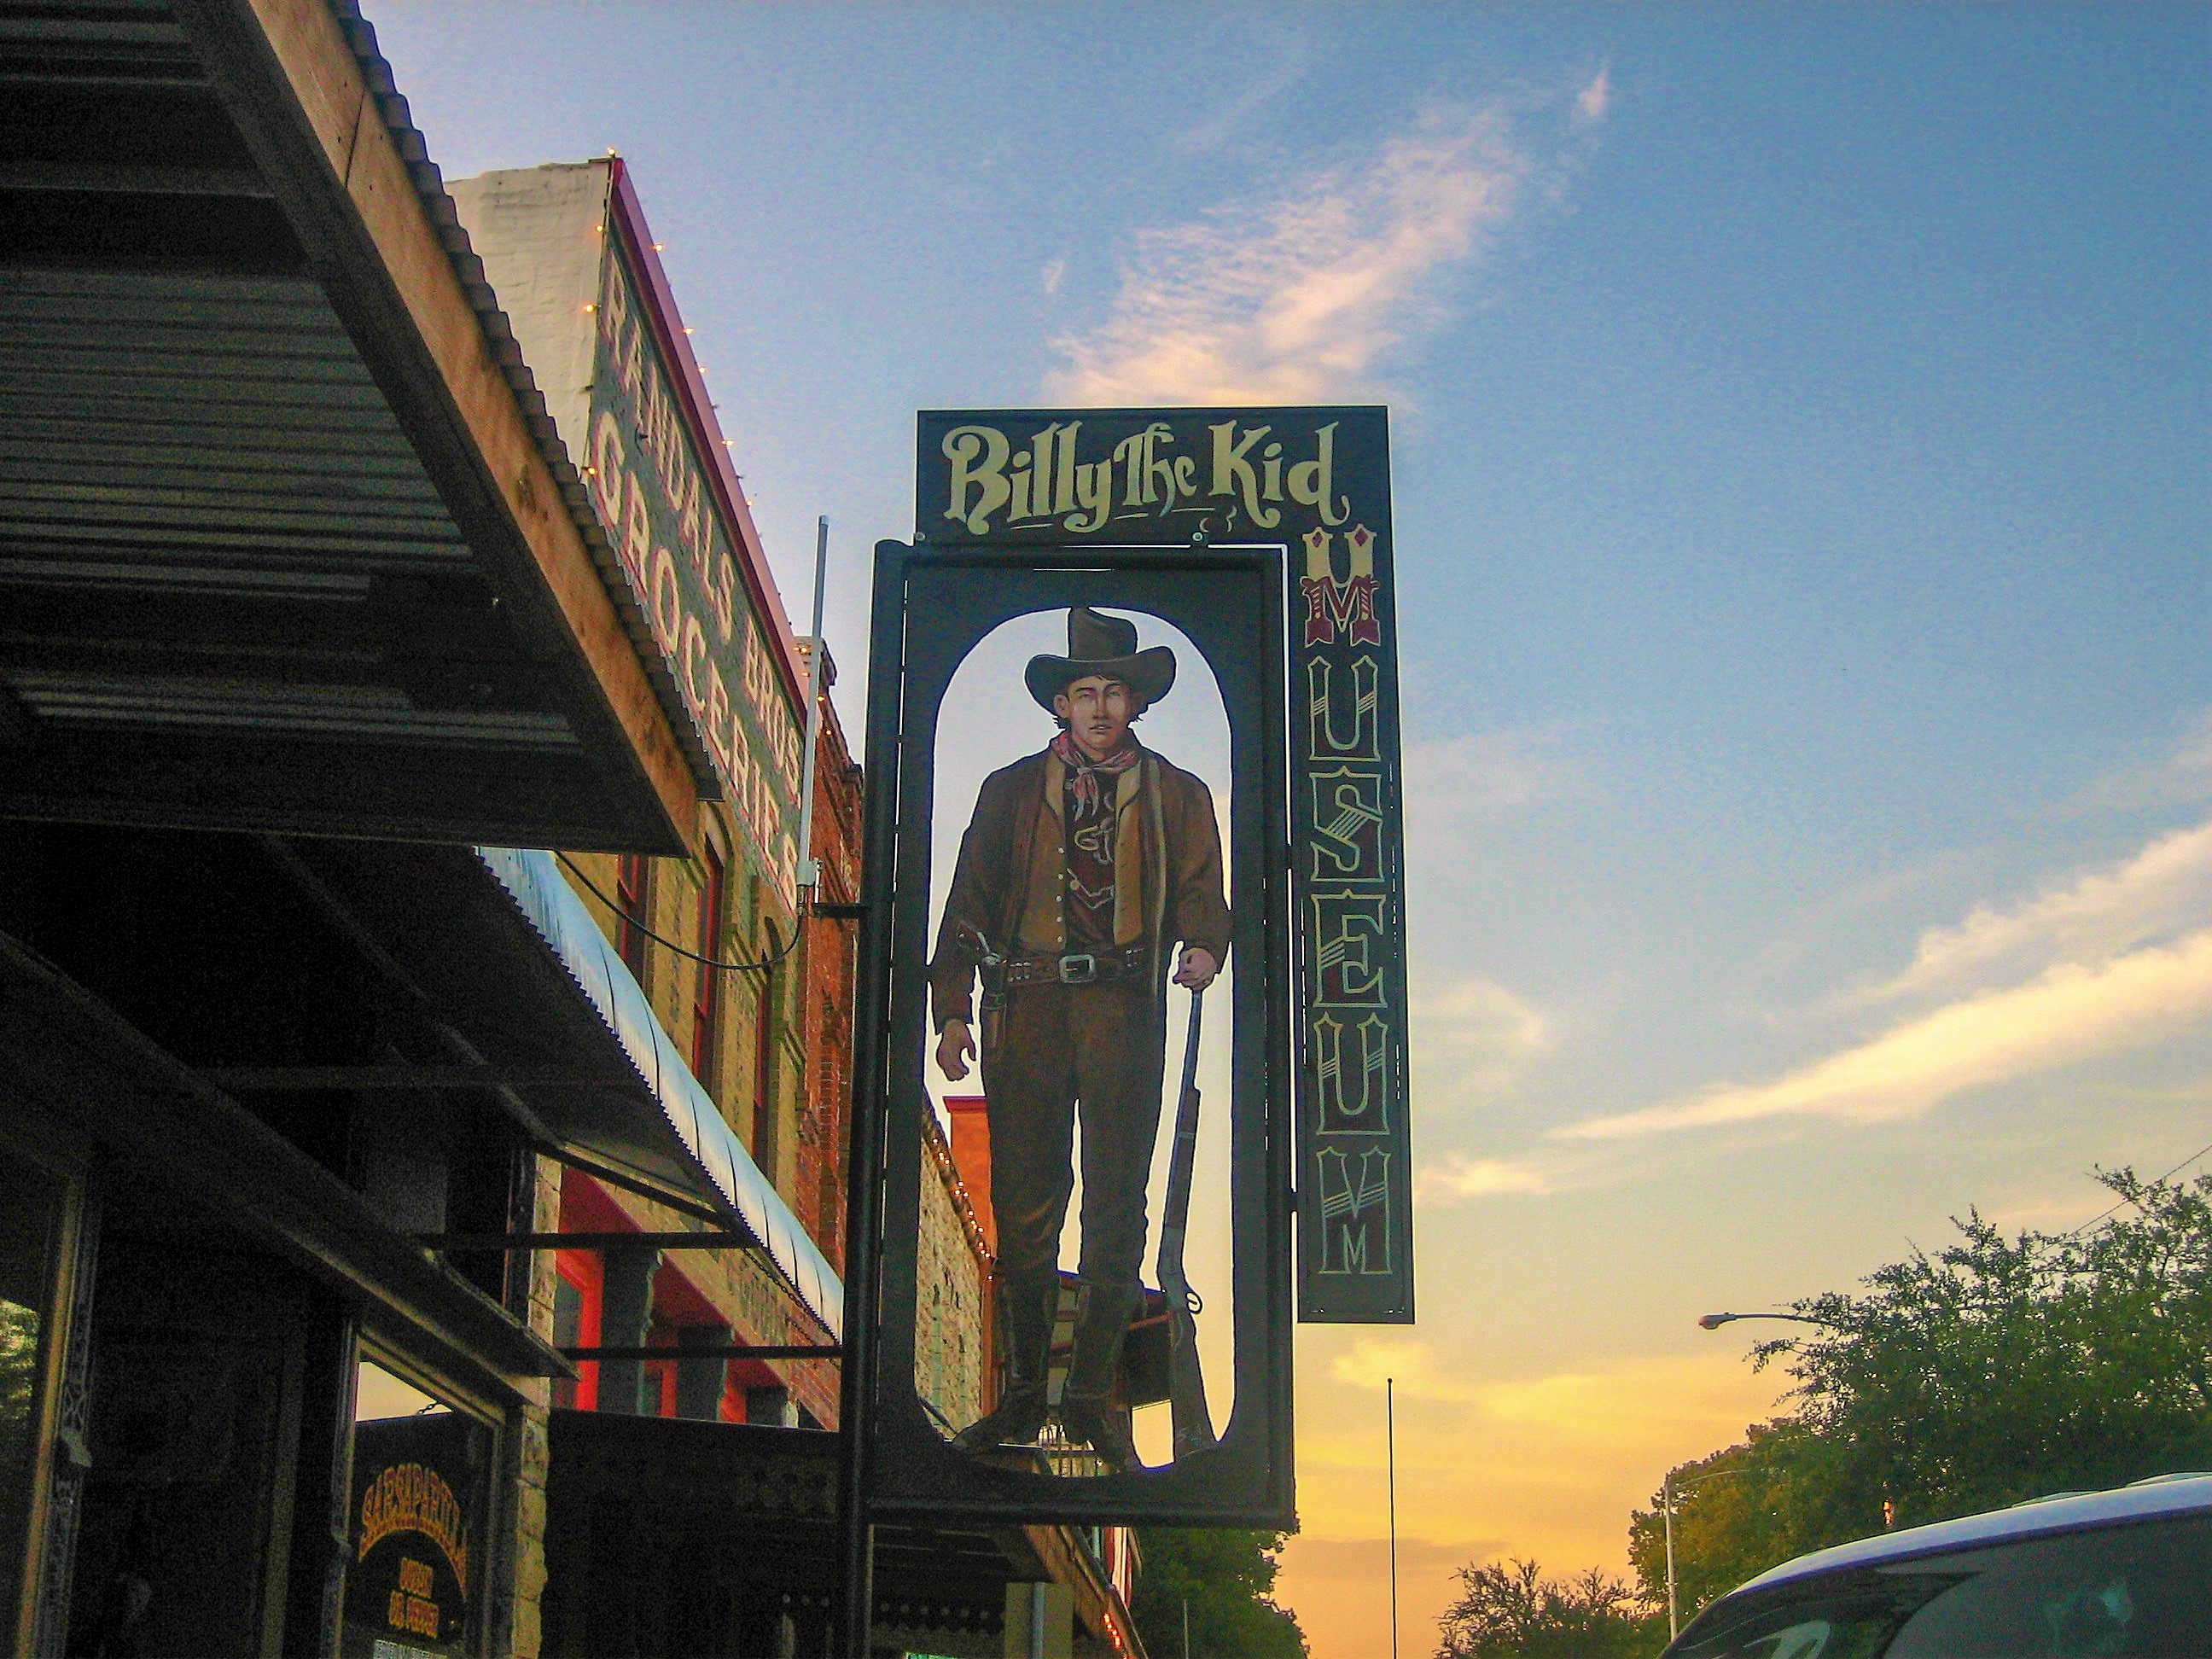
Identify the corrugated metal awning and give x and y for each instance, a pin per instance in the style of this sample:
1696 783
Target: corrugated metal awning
287 538
533 879
494 945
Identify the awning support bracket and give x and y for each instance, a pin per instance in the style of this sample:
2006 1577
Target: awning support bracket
256 1079
587 1240
715 1351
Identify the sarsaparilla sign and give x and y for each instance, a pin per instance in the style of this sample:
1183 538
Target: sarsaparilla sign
413 1584
1313 483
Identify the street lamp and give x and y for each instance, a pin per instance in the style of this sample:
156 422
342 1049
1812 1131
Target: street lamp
1713 1321
1667 1508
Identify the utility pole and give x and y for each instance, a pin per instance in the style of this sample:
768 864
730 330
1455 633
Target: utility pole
810 871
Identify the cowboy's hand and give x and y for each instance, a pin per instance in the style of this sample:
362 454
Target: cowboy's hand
954 1050
1196 969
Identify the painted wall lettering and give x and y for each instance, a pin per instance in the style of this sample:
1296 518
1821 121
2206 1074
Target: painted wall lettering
646 482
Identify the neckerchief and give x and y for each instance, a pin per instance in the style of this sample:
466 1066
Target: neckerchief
1084 772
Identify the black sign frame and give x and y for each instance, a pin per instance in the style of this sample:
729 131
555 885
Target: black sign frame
946 600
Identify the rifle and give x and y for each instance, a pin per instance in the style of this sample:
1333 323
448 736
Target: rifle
1193 1424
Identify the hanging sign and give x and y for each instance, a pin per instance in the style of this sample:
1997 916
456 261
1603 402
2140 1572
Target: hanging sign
1091 925
1313 482
413 1581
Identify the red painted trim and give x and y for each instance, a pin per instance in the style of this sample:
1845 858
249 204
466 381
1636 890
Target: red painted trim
584 1270
629 222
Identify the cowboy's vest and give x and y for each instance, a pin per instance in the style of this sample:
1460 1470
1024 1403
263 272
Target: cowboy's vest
1107 867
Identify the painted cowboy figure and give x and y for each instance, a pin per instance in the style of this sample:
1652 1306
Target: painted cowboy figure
1083 867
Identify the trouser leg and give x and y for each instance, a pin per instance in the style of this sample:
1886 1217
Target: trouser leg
1029 1083
1029 1086
1088 1409
1118 1036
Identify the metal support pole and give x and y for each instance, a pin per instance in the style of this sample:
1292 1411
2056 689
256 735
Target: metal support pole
1667 1508
810 870
1391 1454
864 1216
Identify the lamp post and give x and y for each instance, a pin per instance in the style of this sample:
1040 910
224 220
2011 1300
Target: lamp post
1390 1452
1667 1486
1713 1321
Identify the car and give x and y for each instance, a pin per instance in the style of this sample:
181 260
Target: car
2124 1573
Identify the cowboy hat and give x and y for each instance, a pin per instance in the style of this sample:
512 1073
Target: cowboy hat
1099 644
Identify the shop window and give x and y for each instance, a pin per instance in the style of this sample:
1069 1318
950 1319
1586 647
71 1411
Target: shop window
578 1302
421 1467
30 1214
633 896
707 1005
764 1148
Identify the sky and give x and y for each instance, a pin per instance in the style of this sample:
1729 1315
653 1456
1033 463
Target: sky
1801 424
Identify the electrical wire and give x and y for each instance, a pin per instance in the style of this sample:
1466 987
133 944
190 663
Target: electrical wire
2125 1202
692 956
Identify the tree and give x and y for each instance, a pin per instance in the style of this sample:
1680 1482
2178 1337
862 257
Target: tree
1226 1575
1994 1370
1511 1611
1739 1510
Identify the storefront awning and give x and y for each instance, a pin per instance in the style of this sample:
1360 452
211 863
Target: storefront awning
493 944
287 538
550 905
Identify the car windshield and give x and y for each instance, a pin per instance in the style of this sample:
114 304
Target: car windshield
2134 1590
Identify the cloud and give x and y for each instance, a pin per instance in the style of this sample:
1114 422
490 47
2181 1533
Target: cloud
1634 1401
1455 1177
1361 1560
2068 1012
1053 276
1406 1362
2182 778
1256 88
1492 773
1473 1041
1548 1464
2162 890
1592 102
1455 787
1475 1022
1302 298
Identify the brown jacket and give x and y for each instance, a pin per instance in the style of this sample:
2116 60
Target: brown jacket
1007 882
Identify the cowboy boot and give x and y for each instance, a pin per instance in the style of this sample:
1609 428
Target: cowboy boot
1087 1411
1027 1305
